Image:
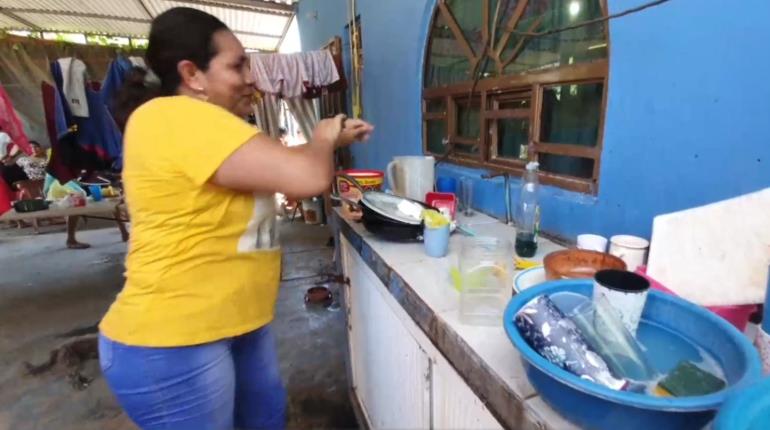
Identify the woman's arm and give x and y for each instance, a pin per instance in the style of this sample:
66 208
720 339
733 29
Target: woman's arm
264 165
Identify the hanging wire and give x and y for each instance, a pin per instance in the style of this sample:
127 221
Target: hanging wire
591 21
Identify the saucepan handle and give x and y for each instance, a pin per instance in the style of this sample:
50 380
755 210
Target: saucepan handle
335 194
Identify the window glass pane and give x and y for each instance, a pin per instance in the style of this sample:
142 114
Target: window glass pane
571 114
435 105
435 130
512 138
468 118
579 45
566 165
468 17
447 63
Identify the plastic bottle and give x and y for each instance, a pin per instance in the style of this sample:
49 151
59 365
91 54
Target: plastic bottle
528 213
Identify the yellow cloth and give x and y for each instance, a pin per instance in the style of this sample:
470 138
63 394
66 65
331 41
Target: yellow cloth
202 263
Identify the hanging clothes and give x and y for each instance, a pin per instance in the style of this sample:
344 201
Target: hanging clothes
313 92
288 75
99 133
6 196
116 77
11 124
58 79
137 62
74 85
68 158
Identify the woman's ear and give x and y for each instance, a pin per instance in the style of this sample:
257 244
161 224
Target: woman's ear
191 77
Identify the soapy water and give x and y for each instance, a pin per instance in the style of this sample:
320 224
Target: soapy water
662 349
665 350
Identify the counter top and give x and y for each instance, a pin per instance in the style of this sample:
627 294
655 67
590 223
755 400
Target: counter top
483 356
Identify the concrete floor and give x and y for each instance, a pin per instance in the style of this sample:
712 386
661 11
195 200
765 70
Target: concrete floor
46 290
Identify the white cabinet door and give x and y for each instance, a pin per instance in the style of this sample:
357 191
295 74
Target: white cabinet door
391 372
455 406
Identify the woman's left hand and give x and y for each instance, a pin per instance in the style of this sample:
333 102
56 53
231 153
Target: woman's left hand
354 130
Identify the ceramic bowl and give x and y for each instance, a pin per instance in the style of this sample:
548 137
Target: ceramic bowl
579 263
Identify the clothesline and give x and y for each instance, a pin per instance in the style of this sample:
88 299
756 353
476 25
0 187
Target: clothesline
292 75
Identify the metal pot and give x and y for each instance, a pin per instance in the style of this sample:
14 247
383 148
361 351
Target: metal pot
388 216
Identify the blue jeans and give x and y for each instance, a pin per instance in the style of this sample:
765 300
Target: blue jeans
220 385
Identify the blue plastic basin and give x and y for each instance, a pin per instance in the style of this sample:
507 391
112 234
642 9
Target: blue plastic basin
747 410
671 329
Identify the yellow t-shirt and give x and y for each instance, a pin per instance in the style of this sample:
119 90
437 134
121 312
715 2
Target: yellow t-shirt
203 262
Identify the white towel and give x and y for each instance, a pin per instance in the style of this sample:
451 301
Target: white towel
151 77
138 62
74 85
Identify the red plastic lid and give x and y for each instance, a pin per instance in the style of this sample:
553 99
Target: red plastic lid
363 172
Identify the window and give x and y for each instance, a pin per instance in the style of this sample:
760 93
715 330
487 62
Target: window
503 88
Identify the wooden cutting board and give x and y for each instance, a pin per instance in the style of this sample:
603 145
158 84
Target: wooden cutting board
716 254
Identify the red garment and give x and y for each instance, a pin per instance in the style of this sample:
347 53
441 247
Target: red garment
11 124
5 197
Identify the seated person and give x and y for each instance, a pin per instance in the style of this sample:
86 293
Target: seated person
34 165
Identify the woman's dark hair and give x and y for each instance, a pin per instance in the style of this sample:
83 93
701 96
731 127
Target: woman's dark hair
178 34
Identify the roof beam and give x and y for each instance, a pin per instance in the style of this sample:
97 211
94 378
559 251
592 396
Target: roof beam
141 4
285 31
13 16
257 6
251 33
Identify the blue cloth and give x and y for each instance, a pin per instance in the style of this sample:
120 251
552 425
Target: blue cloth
230 383
113 82
65 108
60 115
99 132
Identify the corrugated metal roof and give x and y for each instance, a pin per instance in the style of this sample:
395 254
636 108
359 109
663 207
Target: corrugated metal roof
125 8
77 23
257 42
6 22
237 19
258 26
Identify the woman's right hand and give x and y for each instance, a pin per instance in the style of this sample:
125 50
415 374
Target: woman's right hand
327 131
342 131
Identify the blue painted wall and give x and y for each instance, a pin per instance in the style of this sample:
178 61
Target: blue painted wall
688 114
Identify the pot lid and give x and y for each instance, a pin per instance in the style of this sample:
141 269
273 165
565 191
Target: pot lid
398 208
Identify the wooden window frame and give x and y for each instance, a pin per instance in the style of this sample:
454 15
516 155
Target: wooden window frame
489 89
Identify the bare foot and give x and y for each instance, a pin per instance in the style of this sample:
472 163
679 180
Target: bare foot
77 245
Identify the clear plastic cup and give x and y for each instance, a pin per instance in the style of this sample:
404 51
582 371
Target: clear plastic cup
486 268
606 334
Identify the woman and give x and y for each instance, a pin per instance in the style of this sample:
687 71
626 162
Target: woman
34 165
187 343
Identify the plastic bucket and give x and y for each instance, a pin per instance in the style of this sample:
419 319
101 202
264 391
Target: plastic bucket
312 210
737 315
665 318
369 180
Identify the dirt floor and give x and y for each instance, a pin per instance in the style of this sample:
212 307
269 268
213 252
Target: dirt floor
47 290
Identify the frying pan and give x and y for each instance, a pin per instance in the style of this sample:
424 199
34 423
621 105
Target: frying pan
385 215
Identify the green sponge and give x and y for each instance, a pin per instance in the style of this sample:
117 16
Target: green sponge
688 379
